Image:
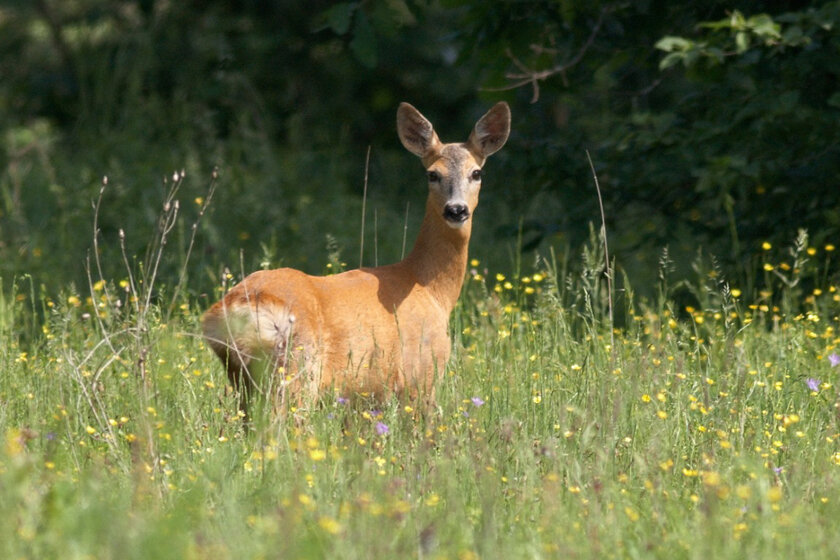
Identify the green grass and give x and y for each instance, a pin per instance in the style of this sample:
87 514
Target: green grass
687 433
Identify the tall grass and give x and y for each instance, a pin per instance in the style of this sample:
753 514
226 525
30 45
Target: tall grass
702 431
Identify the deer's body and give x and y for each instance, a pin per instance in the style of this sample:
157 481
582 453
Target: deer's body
380 330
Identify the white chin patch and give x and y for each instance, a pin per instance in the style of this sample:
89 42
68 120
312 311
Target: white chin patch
455 225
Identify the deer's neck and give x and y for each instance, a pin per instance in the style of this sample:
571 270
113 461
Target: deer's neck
439 258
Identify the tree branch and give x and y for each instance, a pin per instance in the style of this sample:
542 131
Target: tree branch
531 76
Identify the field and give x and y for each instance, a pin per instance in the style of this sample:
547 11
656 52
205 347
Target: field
704 431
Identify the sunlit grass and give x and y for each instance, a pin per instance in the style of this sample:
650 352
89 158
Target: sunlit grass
705 430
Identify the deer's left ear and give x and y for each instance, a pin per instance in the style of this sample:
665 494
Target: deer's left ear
491 131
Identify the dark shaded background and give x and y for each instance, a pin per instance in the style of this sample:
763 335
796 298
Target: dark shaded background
716 142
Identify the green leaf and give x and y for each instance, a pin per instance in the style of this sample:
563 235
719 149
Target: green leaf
764 26
670 60
339 17
363 44
671 44
742 41
400 12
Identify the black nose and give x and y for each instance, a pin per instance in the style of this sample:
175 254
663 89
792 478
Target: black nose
456 212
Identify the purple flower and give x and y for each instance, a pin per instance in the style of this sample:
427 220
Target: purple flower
382 428
834 359
342 400
477 401
813 384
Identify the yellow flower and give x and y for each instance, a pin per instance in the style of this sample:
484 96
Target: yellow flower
711 478
743 492
317 454
329 525
766 246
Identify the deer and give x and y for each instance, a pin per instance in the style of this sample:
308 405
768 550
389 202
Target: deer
378 331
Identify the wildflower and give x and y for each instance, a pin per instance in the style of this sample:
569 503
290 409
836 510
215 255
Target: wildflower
813 384
834 359
382 428
477 401
342 400
711 478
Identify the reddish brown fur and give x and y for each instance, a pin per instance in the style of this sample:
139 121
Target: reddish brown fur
377 330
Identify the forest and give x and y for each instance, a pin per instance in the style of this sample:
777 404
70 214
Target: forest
712 128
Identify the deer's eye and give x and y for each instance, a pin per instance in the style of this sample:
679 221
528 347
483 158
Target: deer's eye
476 175
434 177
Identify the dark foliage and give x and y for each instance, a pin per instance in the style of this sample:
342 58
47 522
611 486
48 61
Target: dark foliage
711 125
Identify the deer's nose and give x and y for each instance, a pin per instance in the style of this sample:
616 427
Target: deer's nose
456 212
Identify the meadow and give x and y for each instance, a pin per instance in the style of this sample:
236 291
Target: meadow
574 421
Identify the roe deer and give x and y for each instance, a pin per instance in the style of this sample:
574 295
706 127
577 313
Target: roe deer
377 331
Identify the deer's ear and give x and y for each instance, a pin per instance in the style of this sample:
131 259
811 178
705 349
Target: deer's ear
491 131
416 132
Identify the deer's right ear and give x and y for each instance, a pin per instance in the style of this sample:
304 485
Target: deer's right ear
416 132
